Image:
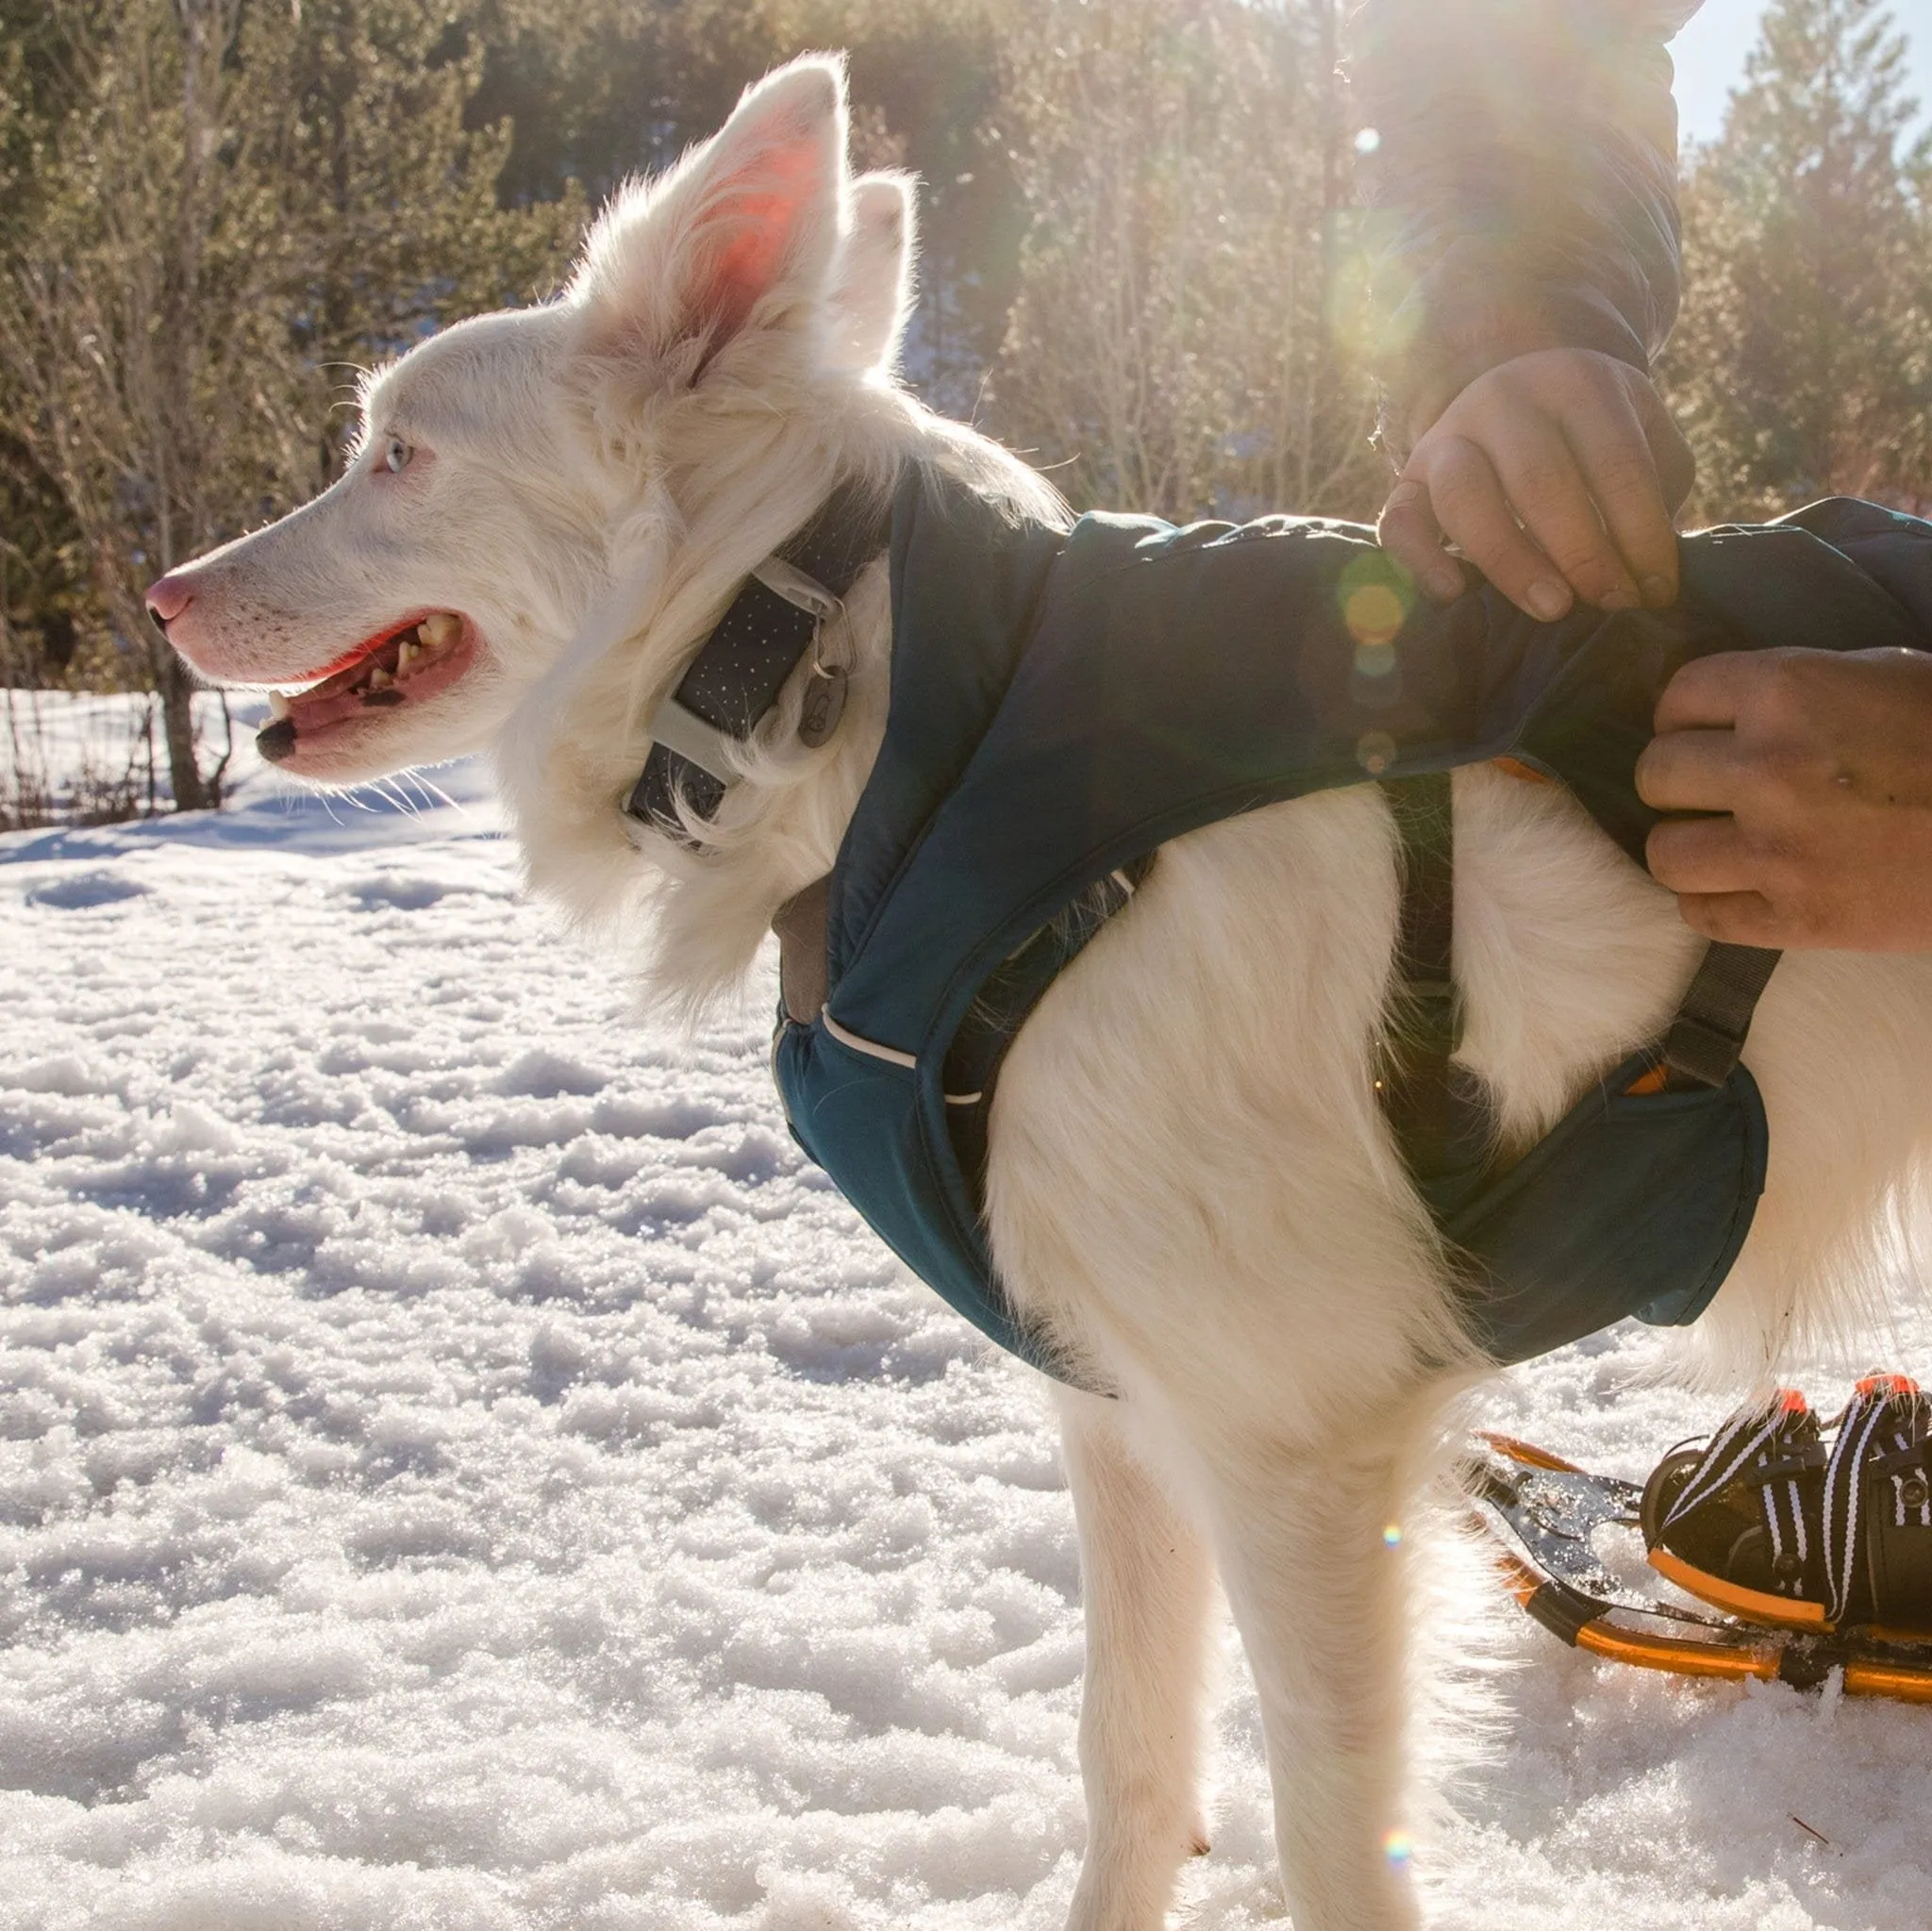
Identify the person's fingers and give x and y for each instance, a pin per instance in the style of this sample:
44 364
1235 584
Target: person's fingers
1473 511
1676 466
1736 918
1689 771
1410 532
1702 855
1615 455
1553 497
1707 693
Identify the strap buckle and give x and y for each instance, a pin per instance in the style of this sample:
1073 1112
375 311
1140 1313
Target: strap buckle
823 702
1706 1036
804 592
699 734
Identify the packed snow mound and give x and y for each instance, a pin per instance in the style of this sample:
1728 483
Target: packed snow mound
462 1466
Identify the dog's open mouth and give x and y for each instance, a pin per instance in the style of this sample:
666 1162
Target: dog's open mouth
403 666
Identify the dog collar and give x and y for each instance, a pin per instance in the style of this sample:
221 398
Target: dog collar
734 679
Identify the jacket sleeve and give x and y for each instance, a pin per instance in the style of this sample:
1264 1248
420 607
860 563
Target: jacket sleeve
1521 181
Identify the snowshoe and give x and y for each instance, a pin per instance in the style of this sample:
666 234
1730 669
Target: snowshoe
1574 1549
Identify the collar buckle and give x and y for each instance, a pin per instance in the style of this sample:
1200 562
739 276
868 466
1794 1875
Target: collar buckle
824 692
804 592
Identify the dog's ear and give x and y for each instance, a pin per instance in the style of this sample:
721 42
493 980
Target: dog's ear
741 235
872 294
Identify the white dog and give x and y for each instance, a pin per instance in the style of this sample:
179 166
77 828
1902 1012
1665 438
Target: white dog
546 512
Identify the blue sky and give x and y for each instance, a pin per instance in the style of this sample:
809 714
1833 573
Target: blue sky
1710 52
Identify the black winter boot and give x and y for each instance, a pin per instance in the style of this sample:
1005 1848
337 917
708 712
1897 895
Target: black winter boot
1768 1524
1736 1521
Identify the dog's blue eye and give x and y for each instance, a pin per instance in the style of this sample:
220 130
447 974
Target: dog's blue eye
396 455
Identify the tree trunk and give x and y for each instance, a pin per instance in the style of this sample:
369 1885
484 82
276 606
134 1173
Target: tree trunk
177 727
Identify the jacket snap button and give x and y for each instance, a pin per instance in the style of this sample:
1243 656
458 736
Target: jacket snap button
1789 1566
1913 1493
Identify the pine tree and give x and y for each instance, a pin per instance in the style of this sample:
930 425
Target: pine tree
1803 366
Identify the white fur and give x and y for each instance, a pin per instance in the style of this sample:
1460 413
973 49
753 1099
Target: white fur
1190 1180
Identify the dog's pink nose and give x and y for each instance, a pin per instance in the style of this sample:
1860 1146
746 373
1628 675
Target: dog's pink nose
169 596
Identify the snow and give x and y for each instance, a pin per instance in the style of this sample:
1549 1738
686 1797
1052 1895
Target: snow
461 1467
83 754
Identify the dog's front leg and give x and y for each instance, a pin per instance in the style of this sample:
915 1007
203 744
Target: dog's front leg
1315 1585
1146 1581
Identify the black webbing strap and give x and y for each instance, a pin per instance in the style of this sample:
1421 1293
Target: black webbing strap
1434 1108
1005 1003
1708 1035
1415 1081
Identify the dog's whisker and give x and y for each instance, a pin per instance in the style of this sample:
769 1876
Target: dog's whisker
386 790
434 792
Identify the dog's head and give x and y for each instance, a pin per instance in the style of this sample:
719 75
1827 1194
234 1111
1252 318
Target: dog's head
520 471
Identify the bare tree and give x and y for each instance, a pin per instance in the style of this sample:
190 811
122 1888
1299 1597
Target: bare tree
126 375
1179 343
238 196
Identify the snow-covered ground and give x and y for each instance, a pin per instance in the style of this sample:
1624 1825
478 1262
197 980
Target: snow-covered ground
462 1468
81 754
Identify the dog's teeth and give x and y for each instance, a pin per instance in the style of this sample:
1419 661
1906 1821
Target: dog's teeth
407 655
379 679
440 630
278 705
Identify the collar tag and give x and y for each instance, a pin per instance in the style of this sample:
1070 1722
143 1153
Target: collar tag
824 704
825 692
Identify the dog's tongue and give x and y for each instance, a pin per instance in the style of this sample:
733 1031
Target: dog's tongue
307 715
316 708
426 658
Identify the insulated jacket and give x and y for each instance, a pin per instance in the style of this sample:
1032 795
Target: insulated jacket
1062 705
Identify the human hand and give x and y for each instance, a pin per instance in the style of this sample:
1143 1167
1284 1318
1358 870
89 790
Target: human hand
1820 762
1577 446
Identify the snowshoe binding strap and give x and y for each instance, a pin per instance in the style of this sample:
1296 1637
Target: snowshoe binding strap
1878 1506
1551 1526
1738 1523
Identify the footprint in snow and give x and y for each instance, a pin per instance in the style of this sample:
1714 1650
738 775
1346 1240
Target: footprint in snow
83 892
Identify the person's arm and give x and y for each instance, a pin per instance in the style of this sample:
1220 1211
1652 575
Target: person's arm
1522 184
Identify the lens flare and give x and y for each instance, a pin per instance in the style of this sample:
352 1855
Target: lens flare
1374 615
1397 1848
1375 752
1391 1536
1376 595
